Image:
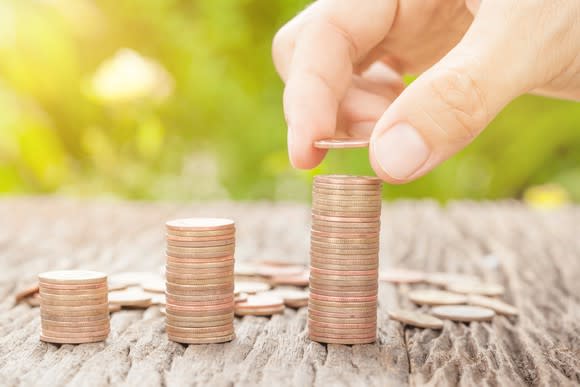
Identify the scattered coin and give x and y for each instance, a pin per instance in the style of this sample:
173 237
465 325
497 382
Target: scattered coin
155 286
402 276
120 281
247 269
158 299
280 271
130 298
33 300
494 304
250 287
260 305
481 288
68 316
443 279
463 313
301 279
26 292
114 308
342 143
416 319
436 297
293 297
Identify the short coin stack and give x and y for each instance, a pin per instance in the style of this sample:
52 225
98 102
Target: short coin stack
342 307
74 306
200 280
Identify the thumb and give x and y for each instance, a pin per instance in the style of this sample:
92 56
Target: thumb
444 109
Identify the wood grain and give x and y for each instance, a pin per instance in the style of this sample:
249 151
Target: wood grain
535 255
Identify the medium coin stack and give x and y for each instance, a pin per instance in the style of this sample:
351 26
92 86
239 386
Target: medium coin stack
74 306
342 307
200 280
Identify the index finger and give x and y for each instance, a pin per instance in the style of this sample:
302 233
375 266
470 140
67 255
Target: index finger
336 36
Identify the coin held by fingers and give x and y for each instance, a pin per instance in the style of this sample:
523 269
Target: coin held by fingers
342 143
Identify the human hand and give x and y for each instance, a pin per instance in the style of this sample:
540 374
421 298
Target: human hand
342 63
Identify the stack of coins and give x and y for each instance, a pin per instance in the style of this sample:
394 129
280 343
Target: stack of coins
74 306
200 280
342 307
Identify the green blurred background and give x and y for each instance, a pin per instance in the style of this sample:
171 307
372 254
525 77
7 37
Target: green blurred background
178 100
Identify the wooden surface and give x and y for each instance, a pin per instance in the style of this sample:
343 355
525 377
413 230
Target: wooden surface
536 255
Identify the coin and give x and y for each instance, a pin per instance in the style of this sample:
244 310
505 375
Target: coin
342 143
339 299
355 216
350 193
76 324
89 297
260 311
75 340
443 279
114 308
342 267
417 319
155 286
74 288
119 281
494 304
347 234
201 233
50 302
130 298
229 327
351 320
200 238
215 250
26 292
191 323
250 287
338 218
402 276
72 277
293 297
198 224
348 180
198 290
347 341
301 279
208 340
260 305
481 288
463 313
227 243
176 298
436 297
271 271
208 263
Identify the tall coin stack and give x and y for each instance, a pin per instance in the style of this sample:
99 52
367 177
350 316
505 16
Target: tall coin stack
342 307
200 280
74 306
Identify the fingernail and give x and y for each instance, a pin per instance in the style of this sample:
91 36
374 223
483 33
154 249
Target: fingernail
401 151
290 141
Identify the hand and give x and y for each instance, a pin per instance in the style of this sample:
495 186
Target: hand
342 62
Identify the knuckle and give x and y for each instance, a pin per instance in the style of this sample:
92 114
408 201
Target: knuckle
461 101
281 42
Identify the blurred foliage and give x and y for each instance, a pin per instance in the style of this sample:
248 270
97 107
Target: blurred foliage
168 99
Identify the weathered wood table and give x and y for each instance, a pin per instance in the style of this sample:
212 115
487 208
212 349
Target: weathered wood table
536 255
